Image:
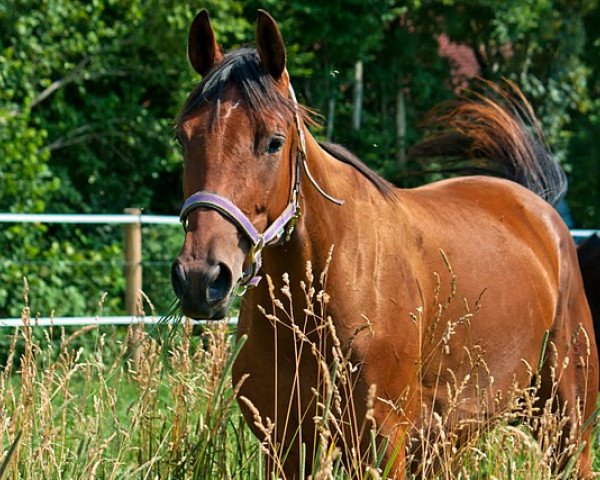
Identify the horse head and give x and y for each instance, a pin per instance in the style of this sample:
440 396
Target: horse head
239 131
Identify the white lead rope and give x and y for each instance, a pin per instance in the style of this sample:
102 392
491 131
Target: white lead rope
302 151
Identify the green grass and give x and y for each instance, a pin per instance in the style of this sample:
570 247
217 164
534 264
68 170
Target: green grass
84 413
75 406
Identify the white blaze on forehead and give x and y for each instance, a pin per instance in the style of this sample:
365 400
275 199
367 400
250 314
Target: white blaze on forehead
230 109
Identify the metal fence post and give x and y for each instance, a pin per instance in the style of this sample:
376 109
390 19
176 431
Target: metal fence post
132 250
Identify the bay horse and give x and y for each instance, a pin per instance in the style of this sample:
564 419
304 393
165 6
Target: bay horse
262 195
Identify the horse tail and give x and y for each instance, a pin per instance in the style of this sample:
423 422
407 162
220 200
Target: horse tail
499 134
494 133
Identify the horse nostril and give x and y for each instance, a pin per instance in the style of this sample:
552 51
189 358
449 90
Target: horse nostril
219 283
178 279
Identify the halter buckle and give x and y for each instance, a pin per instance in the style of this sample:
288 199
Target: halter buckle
292 225
256 249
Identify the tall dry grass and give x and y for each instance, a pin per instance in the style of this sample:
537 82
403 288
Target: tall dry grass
69 412
71 409
524 438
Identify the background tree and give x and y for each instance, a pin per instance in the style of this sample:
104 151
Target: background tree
584 131
89 92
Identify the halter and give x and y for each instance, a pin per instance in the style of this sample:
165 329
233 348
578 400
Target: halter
281 228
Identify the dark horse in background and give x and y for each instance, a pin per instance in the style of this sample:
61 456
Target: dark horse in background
253 171
588 253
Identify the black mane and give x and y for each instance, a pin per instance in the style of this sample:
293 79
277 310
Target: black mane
346 156
243 70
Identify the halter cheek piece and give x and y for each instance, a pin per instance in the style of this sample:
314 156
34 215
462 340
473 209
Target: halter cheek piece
283 226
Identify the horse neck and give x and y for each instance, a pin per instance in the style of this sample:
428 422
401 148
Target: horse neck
323 223
331 177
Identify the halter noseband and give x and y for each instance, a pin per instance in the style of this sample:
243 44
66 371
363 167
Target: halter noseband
283 226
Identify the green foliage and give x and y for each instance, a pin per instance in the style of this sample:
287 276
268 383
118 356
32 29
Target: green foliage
584 195
160 245
89 92
78 407
537 43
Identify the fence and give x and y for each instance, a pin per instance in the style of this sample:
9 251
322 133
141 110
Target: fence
80 321
132 220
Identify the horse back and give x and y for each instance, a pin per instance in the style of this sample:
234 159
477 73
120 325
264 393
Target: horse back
511 259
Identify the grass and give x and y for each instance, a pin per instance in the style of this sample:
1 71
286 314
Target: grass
73 404
69 413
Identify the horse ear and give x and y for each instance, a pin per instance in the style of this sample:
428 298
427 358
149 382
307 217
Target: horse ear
270 46
203 50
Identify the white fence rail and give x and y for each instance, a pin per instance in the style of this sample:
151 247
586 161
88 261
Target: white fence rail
89 218
580 234
80 321
121 219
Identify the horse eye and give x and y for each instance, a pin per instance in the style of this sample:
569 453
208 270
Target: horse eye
275 144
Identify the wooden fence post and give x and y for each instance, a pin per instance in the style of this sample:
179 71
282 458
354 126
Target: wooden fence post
132 250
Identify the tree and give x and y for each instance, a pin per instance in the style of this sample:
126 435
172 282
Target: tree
89 92
584 150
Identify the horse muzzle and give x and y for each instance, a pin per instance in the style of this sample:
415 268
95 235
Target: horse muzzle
204 291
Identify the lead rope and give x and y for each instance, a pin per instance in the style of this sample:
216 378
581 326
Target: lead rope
302 154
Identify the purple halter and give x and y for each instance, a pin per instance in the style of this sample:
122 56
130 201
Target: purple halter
271 236
279 230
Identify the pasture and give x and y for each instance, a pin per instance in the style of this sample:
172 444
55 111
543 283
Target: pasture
405 314
73 406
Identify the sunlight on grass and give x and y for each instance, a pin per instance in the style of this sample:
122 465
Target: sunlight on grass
73 404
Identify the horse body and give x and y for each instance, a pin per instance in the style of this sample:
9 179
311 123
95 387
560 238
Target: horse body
457 282
504 242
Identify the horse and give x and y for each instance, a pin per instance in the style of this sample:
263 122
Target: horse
588 254
263 196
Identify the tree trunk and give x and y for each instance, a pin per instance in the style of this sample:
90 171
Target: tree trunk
401 126
358 95
330 117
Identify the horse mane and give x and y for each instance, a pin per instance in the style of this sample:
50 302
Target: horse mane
243 70
344 155
497 134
